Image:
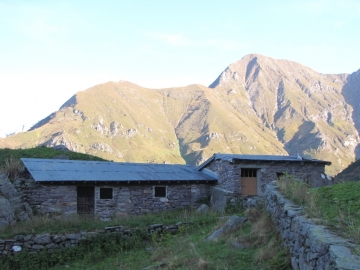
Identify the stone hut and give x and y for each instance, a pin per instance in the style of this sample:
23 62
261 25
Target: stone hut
109 189
243 175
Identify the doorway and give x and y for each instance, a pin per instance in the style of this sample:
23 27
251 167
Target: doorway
248 182
85 200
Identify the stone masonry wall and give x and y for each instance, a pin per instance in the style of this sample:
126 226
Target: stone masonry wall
229 173
56 242
311 246
127 199
49 198
310 173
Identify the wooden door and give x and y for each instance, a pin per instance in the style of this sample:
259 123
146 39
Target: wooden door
248 182
85 200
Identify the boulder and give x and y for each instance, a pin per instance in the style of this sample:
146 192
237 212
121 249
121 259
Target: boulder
43 239
20 209
203 209
231 225
219 198
7 216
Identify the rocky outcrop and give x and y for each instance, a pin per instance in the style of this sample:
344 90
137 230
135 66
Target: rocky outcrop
311 246
12 206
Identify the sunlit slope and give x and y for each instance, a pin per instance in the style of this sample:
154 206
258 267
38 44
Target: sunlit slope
206 124
307 110
118 121
258 105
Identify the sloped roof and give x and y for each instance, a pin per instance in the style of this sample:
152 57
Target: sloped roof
58 170
232 157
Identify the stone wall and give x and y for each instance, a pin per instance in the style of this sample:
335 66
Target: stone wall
229 173
127 198
311 246
56 242
12 206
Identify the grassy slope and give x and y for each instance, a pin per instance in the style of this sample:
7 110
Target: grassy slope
40 152
336 206
186 250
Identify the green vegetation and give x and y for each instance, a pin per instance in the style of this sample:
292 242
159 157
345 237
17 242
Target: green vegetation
336 206
11 165
258 245
39 152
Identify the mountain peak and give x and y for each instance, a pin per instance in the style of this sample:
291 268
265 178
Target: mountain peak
257 105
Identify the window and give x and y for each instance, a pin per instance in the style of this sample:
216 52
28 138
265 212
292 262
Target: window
248 172
106 193
160 191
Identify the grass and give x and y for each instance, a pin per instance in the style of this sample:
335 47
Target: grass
336 206
260 249
39 152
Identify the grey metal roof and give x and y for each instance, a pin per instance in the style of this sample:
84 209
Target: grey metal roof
232 157
51 170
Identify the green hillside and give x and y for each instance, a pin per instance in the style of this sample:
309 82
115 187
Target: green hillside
40 152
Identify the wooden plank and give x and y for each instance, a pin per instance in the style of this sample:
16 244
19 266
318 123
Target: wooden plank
248 186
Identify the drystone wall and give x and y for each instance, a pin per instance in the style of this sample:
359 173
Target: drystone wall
56 242
126 199
12 206
311 246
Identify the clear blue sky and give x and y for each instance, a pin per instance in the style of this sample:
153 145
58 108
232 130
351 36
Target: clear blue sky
49 50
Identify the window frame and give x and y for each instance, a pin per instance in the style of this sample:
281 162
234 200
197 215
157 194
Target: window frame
106 197
156 187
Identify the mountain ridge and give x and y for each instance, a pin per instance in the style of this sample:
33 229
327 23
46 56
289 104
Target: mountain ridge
257 105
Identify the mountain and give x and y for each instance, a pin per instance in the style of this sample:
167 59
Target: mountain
351 173
258 105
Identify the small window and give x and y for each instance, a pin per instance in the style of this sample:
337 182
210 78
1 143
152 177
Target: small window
248 172
106 193
279 175
160 191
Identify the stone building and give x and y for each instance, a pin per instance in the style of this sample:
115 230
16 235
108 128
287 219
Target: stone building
109 189
243 175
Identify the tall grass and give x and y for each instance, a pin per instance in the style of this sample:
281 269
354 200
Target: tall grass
12 168
336 206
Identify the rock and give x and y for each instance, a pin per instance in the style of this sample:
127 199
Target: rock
7 216
75 236
61 147
43 239
203 209
219 198
37 247
232 224
20 209
27 238
16 248
155 226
